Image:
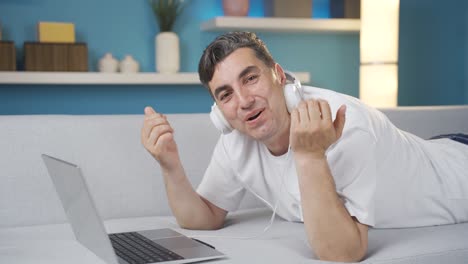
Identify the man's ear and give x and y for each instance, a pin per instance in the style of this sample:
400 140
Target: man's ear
280 75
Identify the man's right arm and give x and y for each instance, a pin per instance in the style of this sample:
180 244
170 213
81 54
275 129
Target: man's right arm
190 209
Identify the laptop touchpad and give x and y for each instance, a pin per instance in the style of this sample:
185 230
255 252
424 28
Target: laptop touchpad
177 242
187 247
159 233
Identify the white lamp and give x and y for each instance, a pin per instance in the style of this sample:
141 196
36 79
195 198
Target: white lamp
378 80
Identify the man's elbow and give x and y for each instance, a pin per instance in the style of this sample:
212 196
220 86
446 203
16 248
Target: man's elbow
201 225
342 258
351 255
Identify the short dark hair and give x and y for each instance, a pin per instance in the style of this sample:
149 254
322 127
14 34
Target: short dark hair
224 45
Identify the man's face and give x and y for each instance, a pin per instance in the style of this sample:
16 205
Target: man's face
250 95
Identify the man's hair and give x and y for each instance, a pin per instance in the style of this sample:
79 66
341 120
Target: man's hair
226 44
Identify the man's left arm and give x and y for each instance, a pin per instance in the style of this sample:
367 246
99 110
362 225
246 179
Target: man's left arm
332 232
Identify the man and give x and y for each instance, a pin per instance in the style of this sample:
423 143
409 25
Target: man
338 177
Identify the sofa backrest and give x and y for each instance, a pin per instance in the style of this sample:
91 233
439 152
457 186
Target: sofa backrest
429 121
123 178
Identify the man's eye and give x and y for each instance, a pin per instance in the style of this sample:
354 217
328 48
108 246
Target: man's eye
252 78
224 96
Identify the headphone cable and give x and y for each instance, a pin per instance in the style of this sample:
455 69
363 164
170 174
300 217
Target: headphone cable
272 219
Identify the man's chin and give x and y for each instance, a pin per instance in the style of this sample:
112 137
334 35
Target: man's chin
260 134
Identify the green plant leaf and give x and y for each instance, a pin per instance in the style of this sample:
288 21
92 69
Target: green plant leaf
167 12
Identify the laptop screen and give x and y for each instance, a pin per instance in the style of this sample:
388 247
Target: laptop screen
79 207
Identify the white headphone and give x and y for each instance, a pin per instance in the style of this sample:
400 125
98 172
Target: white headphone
293 94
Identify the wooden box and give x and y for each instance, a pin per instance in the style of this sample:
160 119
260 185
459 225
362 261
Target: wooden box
7 56
345 8
283 8
55 56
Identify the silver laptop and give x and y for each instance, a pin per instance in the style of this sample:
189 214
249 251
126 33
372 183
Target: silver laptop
150 246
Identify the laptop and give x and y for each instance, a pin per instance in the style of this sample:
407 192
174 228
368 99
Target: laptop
149 246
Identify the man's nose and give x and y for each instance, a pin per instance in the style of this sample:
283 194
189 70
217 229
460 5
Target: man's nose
246 99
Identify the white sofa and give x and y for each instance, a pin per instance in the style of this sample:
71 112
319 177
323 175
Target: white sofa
127 187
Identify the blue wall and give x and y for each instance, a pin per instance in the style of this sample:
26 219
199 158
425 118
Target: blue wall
432 52
128 27
466 55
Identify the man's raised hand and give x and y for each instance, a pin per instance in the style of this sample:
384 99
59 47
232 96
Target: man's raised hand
157 136
312 127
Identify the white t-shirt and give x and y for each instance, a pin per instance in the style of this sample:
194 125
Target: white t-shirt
386 177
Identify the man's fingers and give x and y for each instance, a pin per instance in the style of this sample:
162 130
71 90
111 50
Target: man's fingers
150 113
314 109
325 110
303 112
149 110
157 132
295 119
340 121
151 123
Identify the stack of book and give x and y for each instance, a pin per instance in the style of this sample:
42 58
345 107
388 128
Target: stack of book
56 49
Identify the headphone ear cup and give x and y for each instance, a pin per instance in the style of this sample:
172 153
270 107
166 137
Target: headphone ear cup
292 95
219 121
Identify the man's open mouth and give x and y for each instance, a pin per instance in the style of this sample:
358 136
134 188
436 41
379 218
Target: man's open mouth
255 116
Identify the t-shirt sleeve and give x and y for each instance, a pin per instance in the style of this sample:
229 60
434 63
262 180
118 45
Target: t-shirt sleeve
353 165
220 184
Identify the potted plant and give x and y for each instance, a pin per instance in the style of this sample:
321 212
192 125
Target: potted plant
167 41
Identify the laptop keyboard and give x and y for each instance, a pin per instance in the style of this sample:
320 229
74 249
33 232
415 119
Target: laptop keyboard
137 249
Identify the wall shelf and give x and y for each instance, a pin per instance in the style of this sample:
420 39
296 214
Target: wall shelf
271 24
89 78
96 78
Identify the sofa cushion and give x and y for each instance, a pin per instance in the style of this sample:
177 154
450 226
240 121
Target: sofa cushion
124 179
284 242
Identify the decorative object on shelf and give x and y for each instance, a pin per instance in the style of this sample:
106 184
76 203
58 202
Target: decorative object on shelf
167 52
345 8
167 42
129 65
7 56
282 8
56 32
236 7
55 56
378 73
108 63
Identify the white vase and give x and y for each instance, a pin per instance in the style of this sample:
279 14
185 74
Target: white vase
167 52
108 63
129 65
